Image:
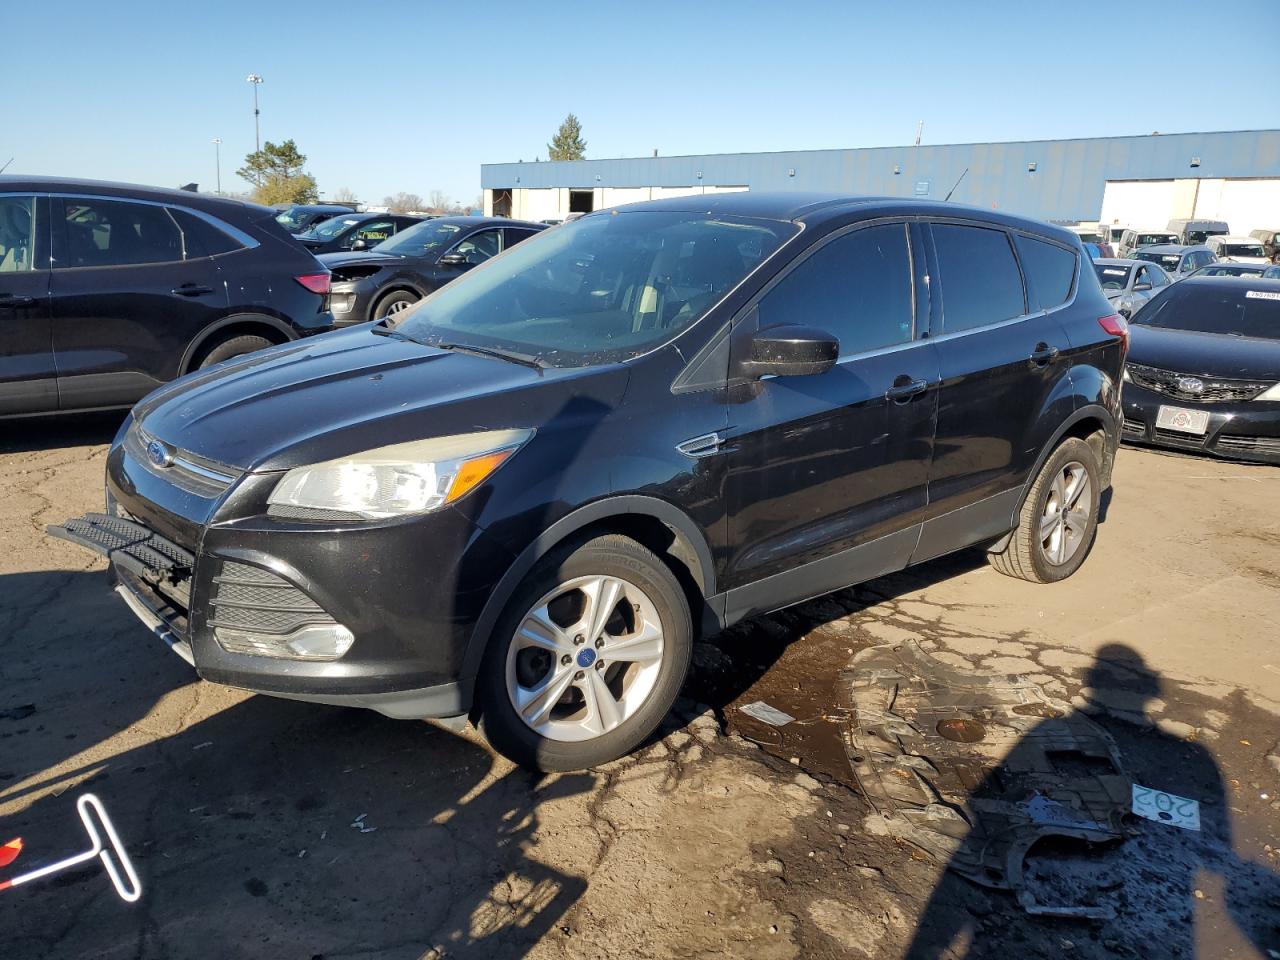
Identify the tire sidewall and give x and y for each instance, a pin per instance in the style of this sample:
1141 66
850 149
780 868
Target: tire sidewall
1072 449
608 556
380 307
218 352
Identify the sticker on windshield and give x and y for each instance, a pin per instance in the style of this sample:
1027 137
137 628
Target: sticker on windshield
1115 273
1262 295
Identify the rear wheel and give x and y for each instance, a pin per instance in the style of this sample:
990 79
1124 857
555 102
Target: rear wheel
394 303
588 657
232 347
1058 520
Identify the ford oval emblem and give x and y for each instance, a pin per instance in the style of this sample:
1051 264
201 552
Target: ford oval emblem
159 454
1191 385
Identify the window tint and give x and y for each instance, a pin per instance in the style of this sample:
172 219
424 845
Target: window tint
479 247
201 238
515 236
17 233
979 277
106 233
1049 269
857 287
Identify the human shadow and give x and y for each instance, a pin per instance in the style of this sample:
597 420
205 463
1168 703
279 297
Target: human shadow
1151 880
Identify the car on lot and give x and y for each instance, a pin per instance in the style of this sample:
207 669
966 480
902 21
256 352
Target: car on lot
1176 260
354 231
1131 240
521 499
1270 240
301 217
399 272
1097 250
1231 270
1272 272
1203 373
108 290
1238 250
1129 284
1194 232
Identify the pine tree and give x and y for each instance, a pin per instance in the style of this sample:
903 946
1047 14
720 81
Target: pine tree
568 143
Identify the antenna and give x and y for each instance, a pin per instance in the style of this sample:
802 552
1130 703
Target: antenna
919 131
6 165
957 183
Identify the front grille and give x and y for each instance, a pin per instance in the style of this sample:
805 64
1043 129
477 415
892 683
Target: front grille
1177 437
1135 427
1213 391
253 599
1240 444
196 475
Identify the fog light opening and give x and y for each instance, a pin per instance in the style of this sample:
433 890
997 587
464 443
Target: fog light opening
316 641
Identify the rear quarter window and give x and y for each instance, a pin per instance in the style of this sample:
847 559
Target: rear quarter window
1050 271
980 280
203 239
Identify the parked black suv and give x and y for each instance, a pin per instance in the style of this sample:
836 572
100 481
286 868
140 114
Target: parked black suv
522 497
399 272
108 290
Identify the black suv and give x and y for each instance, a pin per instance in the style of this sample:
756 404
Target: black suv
522 497
399 272
109 290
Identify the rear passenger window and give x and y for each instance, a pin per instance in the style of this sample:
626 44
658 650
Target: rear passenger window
979 277
1049 269
857 287
203 239
109 233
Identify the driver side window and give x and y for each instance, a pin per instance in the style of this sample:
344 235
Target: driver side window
17 231
479 247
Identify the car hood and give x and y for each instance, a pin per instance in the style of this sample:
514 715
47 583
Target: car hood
347 259
341 393
1205 354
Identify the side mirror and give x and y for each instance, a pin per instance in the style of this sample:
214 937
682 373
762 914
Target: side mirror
1141 286
359 244
784 350
453 260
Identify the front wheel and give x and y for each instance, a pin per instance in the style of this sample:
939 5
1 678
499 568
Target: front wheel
588 657
1058 520
394 303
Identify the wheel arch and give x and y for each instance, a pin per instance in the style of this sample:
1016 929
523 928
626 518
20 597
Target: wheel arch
655 523
236 325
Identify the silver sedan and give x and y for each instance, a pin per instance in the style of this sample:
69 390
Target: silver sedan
1129 284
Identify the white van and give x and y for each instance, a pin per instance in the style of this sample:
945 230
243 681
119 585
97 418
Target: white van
1237 249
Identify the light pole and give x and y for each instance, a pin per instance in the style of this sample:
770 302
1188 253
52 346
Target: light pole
256 80
217 159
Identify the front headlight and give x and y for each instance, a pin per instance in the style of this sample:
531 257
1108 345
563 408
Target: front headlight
1272 394
402 479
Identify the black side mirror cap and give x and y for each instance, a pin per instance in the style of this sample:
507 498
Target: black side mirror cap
786 350
452 260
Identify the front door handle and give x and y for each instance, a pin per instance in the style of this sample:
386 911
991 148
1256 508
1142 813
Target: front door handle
191 290
904 389
13 300
1043 353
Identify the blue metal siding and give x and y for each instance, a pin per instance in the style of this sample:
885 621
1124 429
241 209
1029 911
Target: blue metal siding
1067 184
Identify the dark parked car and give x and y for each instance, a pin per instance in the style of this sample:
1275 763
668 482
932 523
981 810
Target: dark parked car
523 499
108 290
1176 260
1129 284
1231 270
399 272
354 231
303 216
1204 371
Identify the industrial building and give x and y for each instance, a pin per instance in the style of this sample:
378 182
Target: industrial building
1141 181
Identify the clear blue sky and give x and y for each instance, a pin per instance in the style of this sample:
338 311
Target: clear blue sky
388 96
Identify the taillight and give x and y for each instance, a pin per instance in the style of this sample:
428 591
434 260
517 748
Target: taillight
315 282
1117 327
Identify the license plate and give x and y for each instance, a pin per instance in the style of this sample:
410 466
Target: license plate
1183 420
1166 808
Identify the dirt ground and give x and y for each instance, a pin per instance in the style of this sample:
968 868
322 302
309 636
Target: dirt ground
266 828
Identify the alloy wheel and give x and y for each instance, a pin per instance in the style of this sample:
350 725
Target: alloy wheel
1064 522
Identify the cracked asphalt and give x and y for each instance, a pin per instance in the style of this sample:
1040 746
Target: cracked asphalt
265 828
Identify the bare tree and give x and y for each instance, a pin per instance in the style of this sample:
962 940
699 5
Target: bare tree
440 202
405 203
344 195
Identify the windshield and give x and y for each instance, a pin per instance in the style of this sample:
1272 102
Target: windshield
1200 236
331 228
1235 311
1151 239
1112 277
1167 260
295 218
602 289
1242 250
420 239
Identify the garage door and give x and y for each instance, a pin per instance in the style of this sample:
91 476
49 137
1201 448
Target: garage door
1145 204
1246 205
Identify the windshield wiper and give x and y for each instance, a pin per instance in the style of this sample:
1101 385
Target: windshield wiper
524 359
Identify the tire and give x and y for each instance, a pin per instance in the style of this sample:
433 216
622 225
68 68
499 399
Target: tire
393 302
232 347
1059 554
571 724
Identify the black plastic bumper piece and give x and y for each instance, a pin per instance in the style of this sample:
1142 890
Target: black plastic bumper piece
130 545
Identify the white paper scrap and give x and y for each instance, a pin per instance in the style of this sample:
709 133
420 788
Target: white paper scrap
1166 808
767 714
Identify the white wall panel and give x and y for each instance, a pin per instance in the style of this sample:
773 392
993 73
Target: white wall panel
1246 205
1143 204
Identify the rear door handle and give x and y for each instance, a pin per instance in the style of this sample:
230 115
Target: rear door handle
12 300
191 290
903 389
1043 353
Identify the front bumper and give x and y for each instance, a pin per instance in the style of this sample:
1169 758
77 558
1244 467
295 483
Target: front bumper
1248 430
409 591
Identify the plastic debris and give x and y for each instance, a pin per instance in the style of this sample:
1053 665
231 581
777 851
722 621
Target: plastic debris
1167 808
767 714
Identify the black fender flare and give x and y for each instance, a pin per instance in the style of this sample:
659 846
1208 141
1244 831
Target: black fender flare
211 331
563 529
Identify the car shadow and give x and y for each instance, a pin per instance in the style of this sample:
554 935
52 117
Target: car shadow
56 432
